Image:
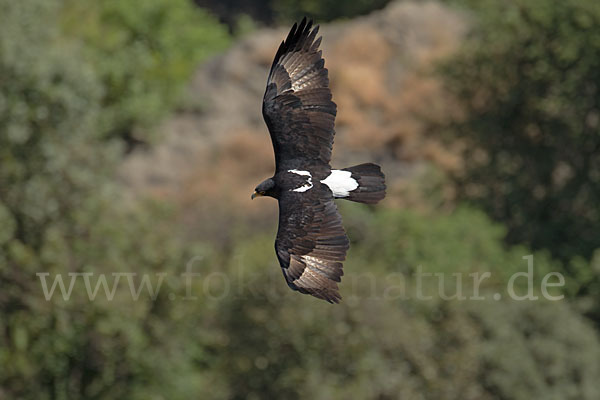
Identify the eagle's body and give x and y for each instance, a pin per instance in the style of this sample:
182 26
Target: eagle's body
311 242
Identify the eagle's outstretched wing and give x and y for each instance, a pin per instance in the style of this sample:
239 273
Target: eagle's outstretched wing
311 242
297 104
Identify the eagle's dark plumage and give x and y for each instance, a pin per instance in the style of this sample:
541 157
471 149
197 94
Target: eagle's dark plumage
297 105
311 242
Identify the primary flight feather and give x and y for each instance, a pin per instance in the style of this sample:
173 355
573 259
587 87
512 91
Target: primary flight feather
311 243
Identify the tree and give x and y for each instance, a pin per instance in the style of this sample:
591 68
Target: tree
61 213
143 52
266 341
527 81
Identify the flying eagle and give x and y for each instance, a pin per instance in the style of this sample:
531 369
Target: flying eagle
311 242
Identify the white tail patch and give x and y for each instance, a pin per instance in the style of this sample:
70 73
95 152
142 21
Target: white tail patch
309 183
340 183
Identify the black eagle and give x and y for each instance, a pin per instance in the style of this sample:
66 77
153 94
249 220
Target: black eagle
311 242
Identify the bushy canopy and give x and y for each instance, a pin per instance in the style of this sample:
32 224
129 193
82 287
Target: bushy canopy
143 52
527 80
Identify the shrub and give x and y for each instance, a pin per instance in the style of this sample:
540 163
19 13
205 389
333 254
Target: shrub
527 81
143 52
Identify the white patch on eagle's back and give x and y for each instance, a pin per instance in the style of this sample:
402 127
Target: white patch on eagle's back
340 182
309 183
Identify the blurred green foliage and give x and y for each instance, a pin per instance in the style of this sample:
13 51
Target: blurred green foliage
143 53
267 342
528 80
403 240
376 350
65 96
61 212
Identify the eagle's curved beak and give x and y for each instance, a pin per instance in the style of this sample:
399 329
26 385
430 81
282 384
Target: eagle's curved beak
255 194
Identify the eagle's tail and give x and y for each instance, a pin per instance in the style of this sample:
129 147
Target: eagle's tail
371 183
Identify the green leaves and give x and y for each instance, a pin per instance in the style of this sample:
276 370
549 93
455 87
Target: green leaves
66 86
268 341
527 79
143 53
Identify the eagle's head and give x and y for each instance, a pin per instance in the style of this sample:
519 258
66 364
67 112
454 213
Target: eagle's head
265 188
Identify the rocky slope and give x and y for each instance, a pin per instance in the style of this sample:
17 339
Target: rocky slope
216 149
